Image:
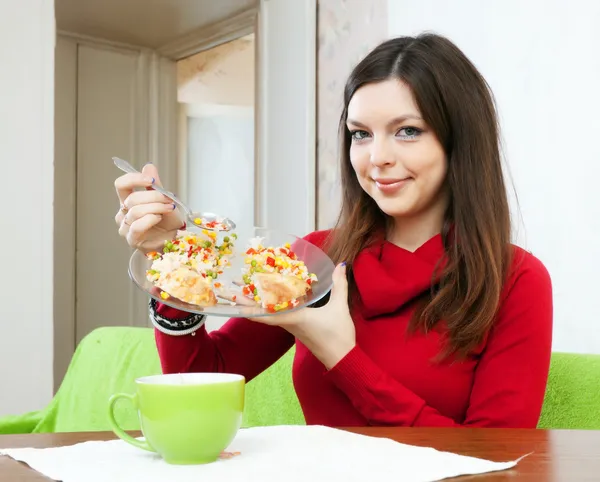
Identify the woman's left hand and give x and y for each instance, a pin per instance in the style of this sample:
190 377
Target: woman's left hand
328 332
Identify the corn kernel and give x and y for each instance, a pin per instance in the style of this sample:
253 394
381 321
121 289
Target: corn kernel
205 231
198 221
257 298
164 296
284 305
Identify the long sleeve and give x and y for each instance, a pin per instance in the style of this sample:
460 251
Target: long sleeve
509 381
239 346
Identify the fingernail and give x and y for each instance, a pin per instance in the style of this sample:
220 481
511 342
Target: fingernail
343 263
153 180
149 162
174 206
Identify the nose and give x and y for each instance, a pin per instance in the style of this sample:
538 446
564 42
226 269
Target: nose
382 153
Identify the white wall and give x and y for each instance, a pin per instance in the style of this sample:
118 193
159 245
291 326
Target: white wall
27 35
541 60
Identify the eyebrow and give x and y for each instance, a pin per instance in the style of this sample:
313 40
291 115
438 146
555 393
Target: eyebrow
396 120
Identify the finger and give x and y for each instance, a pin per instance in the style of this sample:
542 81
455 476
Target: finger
145 197
141 210
282 318
137 230
127 183
119 217
234 296
150 170
339 291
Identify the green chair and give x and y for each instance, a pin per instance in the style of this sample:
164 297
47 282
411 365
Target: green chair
109 359
572 398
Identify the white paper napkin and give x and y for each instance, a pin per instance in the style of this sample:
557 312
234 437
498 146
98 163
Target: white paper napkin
268 454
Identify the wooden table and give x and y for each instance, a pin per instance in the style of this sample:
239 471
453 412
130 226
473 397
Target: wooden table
562 455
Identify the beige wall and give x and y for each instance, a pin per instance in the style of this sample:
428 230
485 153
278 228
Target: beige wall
222 75
347 30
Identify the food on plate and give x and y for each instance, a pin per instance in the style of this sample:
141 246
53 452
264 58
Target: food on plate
189 265
216 224
274 276
188 286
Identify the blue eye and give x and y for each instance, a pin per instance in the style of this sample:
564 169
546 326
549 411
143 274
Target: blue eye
409 133
359 135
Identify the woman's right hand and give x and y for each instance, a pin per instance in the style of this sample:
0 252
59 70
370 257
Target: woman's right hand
146 218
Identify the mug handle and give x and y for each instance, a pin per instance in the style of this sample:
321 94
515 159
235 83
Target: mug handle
117 429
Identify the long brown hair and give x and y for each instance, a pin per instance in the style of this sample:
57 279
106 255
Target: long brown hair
457 104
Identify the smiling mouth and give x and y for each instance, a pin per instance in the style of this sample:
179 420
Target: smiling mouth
391 185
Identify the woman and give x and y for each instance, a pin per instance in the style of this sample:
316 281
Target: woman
435 319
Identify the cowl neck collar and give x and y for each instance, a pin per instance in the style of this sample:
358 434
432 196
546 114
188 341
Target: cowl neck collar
389 277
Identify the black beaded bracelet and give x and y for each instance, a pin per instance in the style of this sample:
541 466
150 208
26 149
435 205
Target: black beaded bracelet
171 326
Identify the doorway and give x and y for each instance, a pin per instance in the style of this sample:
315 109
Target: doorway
216 98
117 93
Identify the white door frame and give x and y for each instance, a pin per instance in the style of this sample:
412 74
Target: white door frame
286 119
285 155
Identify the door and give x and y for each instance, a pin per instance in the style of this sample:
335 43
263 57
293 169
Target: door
107 126
110 101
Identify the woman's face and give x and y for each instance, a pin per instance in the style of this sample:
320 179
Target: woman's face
398 160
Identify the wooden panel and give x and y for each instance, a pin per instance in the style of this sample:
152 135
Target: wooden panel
107 88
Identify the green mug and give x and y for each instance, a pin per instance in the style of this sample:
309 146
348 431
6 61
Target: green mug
187 418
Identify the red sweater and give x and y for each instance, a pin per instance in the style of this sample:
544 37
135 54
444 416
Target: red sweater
389 378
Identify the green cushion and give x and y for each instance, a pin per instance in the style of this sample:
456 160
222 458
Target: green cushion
107 361
271 398
572 398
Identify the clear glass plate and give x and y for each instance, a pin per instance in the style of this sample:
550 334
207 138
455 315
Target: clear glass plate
315 259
